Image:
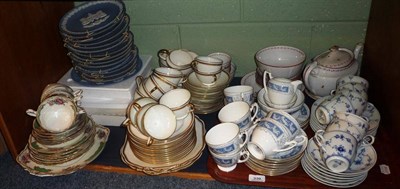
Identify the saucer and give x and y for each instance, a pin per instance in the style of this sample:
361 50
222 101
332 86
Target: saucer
221 81
250 79
294 152
297 105
69 167
279 106
130 159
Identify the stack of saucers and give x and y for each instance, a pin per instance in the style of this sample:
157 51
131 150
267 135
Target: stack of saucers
281 162
100 43
314 166
370 112
60 145
177 152
207 98
299 110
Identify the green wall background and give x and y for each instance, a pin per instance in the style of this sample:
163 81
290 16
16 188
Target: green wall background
242 27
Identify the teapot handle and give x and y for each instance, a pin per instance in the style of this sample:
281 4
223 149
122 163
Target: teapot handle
307 72
358 50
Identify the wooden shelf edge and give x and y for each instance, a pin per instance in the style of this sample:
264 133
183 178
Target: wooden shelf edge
125 170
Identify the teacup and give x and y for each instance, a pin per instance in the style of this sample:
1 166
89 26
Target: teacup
226 138
337 149
243 93
240 113
361 123
58 89
281 90
287 120
207 65
342 125
353 87
270 137
157 121
207 78
178 100
134 107
327 109
56 113
170 75
352 79
358 102
226 60
228 162
179 58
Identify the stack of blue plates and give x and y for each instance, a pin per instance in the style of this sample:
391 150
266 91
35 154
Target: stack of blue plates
99 43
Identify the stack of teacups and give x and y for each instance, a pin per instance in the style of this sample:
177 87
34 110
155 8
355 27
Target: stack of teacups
160 81
62 133
227 64
281 61
179 59
161 132
286 95
226 144
207 69
276 144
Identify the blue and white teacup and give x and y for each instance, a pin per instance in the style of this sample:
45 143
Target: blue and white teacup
228 162
226 138
243 93
281 91
327 109
240 113
338 149
361 123
290 123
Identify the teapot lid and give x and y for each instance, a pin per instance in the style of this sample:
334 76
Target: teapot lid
335 58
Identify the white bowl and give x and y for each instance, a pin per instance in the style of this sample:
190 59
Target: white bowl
281 61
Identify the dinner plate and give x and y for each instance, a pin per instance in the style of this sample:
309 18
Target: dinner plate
69 167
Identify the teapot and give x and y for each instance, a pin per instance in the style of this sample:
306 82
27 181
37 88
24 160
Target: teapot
321 74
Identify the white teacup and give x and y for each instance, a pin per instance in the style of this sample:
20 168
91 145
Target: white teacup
158 122
228 162
337 149
134 107
352 79
207 79
281 90
225 138
170 75
58 89
240 113
226 60
342 125
287 120
353 87
270 137
178 100
207 65
243 93
327 109
358 102
56 113
179 59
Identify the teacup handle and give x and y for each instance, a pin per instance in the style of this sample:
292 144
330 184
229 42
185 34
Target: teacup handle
319 139
78 93
246 139
290 145
254 108
139 80
161 52
31 112
368 140
82 111
126 122
244 156
194 64
149 141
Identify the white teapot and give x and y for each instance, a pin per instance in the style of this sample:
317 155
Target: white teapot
321 74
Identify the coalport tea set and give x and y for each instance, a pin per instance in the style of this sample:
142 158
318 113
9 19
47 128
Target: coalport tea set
261 121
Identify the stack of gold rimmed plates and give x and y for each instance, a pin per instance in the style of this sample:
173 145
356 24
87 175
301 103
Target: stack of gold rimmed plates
207 98
280 163
178 152
52 154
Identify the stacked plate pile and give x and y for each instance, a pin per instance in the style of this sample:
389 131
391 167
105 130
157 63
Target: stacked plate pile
54 149
281 163
207 98
314 166
100 43
299 110
175 153
370 112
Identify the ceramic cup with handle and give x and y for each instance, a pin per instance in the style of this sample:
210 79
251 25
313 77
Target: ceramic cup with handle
178 100
327 109
239 93
281 90
228 162
240 113
226 138
337 149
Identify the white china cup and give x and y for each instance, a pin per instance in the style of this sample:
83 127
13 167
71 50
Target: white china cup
243 93
207 65
171 75
134 107
226 60
240 113
179 59
342 125
358 102
353 80
353 87
327 109
360 122
337 149
207 79
56 113
287 120
228 162
178 100
159 122
281 90
270 137
225 138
